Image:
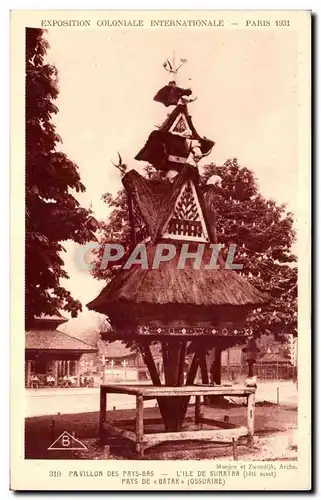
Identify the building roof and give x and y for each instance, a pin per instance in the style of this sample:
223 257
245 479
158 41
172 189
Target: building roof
157 202
156 199
53 317
271 357
47 322
55 340
170 285
87 336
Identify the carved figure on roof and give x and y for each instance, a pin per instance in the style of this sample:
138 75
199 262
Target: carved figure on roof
171 67
175 141
171 94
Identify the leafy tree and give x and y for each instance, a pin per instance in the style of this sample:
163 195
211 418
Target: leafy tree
263 233
53 214
268 343
261 229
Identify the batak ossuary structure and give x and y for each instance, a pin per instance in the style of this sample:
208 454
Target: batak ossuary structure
187 308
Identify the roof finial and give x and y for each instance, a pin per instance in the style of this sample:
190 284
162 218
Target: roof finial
171 66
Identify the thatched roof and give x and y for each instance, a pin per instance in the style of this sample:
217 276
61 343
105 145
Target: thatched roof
169 285
156 199
195 289
44 340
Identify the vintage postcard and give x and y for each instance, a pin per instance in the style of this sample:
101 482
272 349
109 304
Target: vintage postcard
160 237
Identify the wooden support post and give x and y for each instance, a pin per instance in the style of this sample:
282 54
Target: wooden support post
77 372
228 364
172 358
203 367
154 375
165 361
234 445
102 410
204 375
140 425
192 370
189 381
216 371
216 374
250 418
197 411
182 355
150 363
171 366
28 372
55 373
251 368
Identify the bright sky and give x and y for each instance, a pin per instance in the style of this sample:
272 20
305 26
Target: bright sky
246 83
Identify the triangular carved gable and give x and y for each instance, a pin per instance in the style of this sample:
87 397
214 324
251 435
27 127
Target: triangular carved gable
180 126
141 232
186 220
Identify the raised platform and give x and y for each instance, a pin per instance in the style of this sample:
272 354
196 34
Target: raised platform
204 429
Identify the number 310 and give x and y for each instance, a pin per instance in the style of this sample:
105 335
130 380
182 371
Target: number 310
54 473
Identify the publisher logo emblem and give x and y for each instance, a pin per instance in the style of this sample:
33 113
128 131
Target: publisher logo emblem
67 442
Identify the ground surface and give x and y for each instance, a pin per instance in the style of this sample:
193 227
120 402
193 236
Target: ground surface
274 427
54 401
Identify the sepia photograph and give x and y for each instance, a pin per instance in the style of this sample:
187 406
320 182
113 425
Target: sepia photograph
162 246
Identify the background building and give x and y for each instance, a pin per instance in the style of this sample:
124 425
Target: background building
52 357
